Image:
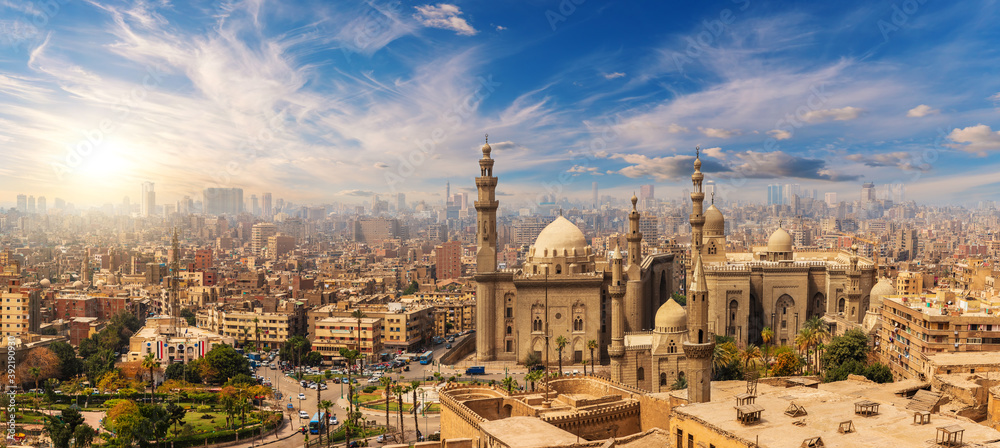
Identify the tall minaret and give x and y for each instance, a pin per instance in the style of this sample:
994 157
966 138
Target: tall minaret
617 291
700 343
486 257
634 312
634 236
854 293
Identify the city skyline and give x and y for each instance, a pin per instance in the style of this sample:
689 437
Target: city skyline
319 103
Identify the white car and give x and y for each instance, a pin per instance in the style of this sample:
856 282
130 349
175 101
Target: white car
302 396
303 414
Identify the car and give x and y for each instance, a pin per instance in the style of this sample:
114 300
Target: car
302 396
333 421
322 386
447 346
406 368
313 386
336 381
380 438
58 392
429 378
576 372
290 407
303 414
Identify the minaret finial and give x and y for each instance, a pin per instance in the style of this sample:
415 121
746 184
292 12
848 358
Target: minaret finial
713 197
697 151
487 138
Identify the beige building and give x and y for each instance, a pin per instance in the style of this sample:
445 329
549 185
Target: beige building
461 314
20 311
273 329
335 333
169 345
562 290
914 328
279 245
404 326
259 235
910 283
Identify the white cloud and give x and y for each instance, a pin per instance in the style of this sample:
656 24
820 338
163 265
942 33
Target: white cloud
675 128
356 192
780 134
614 75
975 139
719 133
899 159
444 16
844 113
922 110
500 28
502 146
580 169
995 98
381 165
715 153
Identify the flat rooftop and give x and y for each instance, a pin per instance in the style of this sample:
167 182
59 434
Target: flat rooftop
892 427
527 432
964 358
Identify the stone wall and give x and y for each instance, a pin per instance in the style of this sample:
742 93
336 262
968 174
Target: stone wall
460 350
446 443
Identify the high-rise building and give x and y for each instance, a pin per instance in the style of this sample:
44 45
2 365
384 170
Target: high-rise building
400 202
831 199
259 235
774 194
278 245
595 195
60 203
31 204
448 260
147 206
22 203
254 205
224 201
867 193
646 192
42 206
126 206
268 211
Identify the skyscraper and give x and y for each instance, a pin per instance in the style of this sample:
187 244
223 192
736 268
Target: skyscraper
400 202
126 206
867 193
254 205
223 201
42 207
31 204
22 203
646 192
147 205
775 195
595 195
831 199
268 211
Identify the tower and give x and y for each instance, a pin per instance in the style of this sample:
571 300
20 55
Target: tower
634 312
486 256
175 282
700 343
617 291
854 293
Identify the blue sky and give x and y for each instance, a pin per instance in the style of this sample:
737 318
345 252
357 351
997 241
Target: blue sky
319 101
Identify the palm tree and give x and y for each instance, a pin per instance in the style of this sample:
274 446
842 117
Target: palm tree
350 356
821 334
386 382
533 376
149 362
724 355
246 336
399 390
767 334
256 330
561 343
509 383
591 345
358 314
803 341
414 387
751 355
325 405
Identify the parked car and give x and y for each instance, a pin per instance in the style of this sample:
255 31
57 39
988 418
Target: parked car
333 421
302 396
447 346
290 407
303 414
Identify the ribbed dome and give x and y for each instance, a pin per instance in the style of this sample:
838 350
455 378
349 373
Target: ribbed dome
671 317
780 241
78 284
558 236
715 223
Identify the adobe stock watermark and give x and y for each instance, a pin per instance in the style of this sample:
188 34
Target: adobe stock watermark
596 149
19 32
901 14
701 42
565 9
92 138
784 128
373 25
458 114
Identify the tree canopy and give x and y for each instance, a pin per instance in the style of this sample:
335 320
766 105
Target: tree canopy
224 362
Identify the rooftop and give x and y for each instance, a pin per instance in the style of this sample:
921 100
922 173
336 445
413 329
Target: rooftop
527 432
892 426
964 358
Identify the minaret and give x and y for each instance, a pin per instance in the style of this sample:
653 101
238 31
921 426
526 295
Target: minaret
617 291
700 343
854 292
85 269
486 256
175 276
634 236
634 312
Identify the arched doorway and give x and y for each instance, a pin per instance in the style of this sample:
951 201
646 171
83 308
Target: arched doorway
785 321
756 321
818 305
731 322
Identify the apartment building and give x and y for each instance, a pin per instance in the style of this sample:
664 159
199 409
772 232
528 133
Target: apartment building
454 317
274 328
335 333
915 328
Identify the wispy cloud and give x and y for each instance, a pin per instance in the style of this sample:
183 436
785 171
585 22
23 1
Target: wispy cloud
444 16
978 139
719 133
841 114
614 75
780 134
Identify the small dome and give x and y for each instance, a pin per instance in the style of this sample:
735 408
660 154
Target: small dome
45 283
715 223
559 236
882 289
780 241
634 200
487 149
671 317
78 284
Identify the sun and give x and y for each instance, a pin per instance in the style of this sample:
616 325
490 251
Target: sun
107 163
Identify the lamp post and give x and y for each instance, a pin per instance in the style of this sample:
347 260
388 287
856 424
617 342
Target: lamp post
423 397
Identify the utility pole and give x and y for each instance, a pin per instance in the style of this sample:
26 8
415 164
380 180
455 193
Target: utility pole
547 335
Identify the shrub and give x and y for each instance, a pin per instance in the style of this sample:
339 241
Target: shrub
370 389
204 408
878 373
786 364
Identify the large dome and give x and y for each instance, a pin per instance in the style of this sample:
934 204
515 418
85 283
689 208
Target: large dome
671 317
560 238
780 241
881 290
715 224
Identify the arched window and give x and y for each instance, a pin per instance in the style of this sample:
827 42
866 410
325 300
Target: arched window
840 305
640 374
711 249
509 330
558 269
663 379
534 269
672 348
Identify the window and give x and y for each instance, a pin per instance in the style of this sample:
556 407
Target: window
663 379
640 374
510 312
510 346
690 440
509 330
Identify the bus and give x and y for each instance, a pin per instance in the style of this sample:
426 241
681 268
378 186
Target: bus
318 423
425 357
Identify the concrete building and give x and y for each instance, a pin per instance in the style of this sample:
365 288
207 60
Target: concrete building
259 235
335 333
279 245
223 201
454 316
448 260
272 329
372 230
168 345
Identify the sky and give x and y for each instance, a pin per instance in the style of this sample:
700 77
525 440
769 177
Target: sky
319 101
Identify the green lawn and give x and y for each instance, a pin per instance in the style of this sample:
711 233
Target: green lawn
364 398
392 406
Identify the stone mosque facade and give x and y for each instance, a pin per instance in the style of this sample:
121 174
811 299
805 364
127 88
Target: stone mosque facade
562 289
647 338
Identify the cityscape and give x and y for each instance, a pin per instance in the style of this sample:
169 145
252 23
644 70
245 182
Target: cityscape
565 224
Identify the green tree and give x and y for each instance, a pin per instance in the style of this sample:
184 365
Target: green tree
313 358
725 357
386 382
412 288
532 359
591 345
224 362
99 364
83 436
561 343
786 363
509 383
879 373
189 316
750 357
853 345
533 377
681 299
680 384
150 362
69 365
190 372
325 405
